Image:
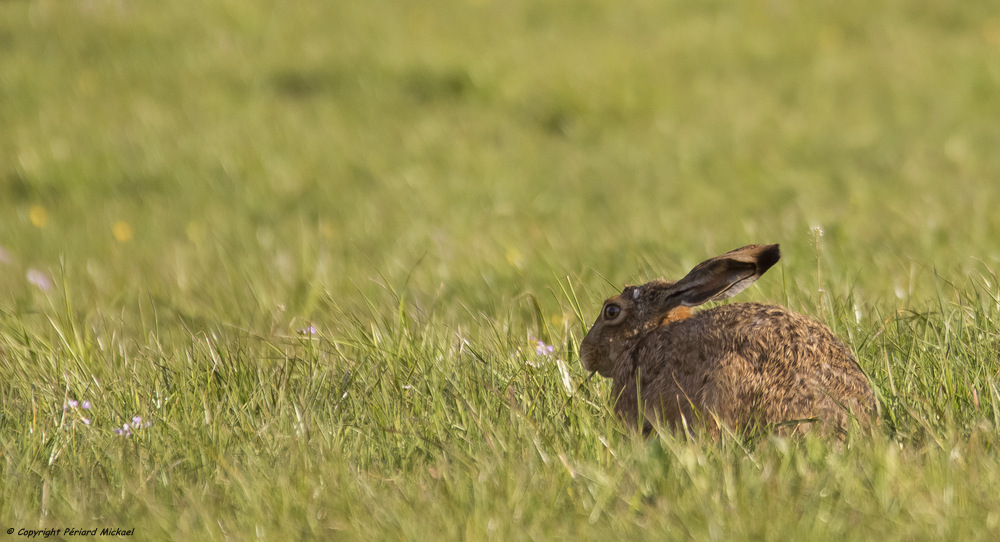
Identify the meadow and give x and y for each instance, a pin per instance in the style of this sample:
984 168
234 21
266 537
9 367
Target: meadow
292 270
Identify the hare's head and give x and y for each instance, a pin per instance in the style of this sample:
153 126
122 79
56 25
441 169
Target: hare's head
627 315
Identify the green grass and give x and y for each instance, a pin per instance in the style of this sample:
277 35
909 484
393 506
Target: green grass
431 187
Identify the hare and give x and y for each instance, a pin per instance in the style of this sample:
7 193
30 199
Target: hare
745 366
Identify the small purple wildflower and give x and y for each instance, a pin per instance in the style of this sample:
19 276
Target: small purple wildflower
127 430
39 279
73 404
543 349
311 330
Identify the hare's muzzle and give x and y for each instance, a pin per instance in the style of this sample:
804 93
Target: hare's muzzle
592 359
587 357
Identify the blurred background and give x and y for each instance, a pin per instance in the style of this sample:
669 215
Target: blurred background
228 159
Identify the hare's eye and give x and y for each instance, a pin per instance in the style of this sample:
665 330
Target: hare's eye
611 312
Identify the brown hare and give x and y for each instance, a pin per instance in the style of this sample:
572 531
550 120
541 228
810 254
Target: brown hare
745 366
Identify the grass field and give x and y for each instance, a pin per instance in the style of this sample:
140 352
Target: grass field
313 245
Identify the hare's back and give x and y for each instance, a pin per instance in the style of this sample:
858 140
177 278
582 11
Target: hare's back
772 337
767 358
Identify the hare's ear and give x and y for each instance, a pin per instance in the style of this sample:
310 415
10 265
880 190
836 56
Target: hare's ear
724 276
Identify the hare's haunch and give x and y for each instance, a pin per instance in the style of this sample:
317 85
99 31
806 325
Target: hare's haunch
743 365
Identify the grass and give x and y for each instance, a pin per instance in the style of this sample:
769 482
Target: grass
313 246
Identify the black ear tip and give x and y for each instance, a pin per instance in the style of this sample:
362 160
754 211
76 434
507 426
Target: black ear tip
768 257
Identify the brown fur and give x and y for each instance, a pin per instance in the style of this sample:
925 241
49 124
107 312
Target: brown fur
744 366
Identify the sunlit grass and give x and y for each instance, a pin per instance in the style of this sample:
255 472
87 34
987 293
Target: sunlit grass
322 270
